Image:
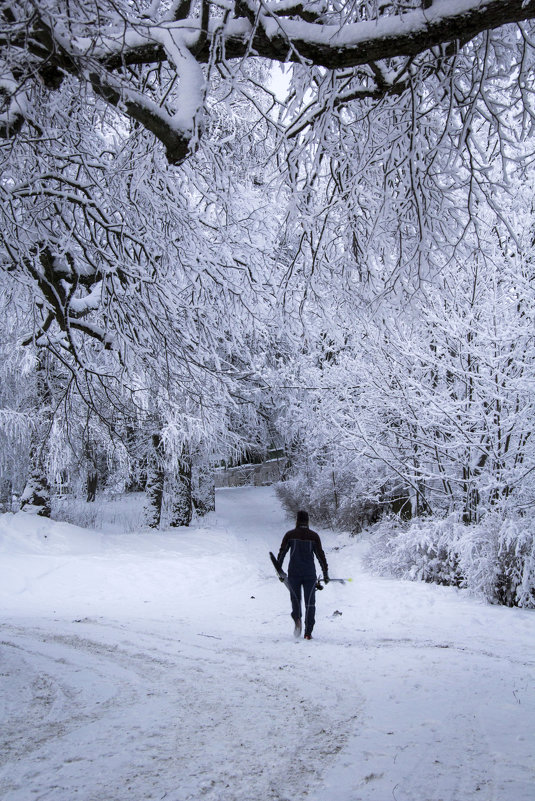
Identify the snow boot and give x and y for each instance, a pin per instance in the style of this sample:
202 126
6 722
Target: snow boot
297 629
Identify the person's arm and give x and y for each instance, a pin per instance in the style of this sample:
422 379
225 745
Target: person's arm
320 555
283 550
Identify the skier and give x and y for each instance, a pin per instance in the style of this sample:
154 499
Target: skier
303 545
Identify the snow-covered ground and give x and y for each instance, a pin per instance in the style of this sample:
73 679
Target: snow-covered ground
162 666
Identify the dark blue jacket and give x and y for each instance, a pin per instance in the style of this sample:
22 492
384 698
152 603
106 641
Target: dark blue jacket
303 545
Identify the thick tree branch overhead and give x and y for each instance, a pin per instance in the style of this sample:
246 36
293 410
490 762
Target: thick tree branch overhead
260 30
405 34
43 41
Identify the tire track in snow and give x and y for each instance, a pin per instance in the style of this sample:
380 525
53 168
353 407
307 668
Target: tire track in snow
192 720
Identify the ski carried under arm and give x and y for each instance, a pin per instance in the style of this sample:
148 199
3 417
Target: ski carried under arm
280 572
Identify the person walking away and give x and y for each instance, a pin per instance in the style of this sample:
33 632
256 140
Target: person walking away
303 545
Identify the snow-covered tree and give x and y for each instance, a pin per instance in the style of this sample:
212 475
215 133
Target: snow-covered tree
17 413
388 99
421 403
145 286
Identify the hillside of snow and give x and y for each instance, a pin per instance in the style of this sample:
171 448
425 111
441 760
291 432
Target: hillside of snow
162 665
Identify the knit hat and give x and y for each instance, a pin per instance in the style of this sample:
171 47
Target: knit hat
302 518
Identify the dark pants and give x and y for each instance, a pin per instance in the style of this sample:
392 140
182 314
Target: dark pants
308 586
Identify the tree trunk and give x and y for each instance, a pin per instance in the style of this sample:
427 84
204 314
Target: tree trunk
182 506
92 473
92 483
138 478
6 495
155 483
203 492
36 496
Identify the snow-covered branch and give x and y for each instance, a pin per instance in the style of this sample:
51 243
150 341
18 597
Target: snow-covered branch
390 35
43 42
13 106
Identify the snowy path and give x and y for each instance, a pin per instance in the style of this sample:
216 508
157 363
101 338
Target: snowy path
162 666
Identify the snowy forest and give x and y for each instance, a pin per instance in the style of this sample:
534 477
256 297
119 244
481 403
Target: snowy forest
233 229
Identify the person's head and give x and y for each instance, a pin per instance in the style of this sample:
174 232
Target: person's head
302 518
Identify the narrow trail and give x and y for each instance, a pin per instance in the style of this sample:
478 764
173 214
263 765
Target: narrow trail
163 667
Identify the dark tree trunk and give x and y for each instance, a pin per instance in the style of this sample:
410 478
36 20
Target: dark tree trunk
138 479
6 495
182 506
155 484
92 472
92 483
36 496
203 492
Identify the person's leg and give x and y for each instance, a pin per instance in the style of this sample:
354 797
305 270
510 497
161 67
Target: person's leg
309 590
295 595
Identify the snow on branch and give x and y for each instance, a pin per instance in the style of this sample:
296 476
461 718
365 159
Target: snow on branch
105 55
14 423
353 44
13 106
175 131
191 81
165 127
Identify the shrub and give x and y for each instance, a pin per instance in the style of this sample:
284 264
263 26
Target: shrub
494 559
334 498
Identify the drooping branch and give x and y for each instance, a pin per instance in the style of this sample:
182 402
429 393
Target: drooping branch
144 111
190 35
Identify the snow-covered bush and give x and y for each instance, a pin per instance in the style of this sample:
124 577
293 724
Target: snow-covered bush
339 498
74 510
121 513
494 559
